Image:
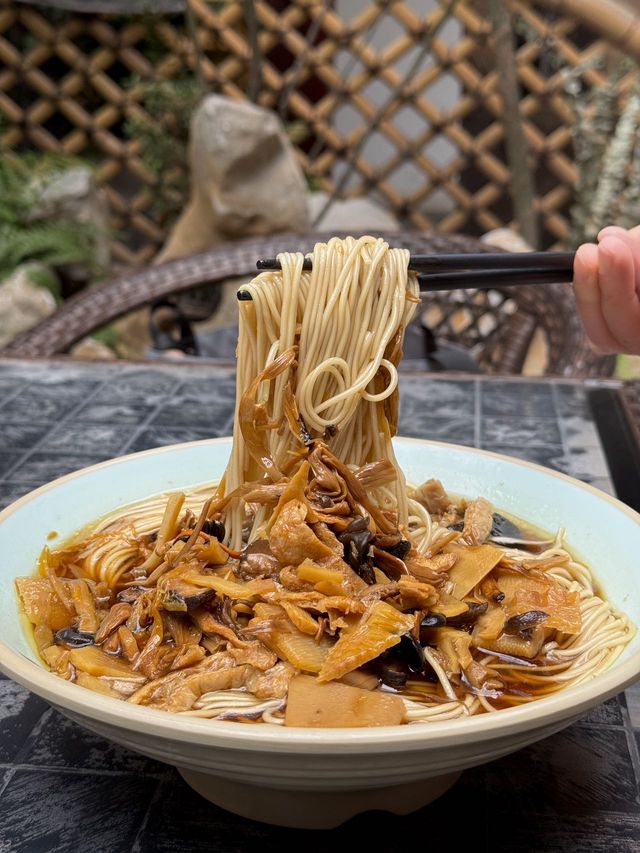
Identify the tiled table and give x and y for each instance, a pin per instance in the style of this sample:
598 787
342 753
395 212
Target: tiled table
63 789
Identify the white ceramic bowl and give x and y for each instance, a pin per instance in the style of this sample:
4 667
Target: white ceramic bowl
319 778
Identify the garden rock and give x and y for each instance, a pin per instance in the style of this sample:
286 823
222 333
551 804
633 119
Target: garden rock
23 304
245 179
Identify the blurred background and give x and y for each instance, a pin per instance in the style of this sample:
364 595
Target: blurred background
139 132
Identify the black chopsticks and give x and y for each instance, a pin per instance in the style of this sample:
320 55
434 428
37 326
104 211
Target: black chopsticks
481 279
480 261
480 271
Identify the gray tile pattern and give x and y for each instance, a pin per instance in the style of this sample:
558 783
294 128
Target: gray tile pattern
65 789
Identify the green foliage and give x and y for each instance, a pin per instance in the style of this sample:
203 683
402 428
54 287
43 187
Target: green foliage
163 135
24 236
107 336
45 277
314 183
297 131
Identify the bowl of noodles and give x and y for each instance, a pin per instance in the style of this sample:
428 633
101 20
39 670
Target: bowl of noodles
315 617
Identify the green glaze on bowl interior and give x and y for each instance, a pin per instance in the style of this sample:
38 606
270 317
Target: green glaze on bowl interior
307 777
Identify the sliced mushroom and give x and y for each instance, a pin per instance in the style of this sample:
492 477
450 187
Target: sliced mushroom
434 620
393 567
130 594
474 610
523 624
73 639
180 596
258 560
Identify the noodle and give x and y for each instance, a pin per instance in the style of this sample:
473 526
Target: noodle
313 558
339 358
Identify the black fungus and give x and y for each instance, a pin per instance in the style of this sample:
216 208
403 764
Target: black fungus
475 609
356 541
391 671
503 527
521 625
214 527
400 550
434 620
394 665
74 639
367 573
410 651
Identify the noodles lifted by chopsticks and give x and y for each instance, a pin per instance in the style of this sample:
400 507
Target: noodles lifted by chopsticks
313 587
344 324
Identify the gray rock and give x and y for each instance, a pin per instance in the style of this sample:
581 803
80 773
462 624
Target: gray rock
241 156
23 304
352 214
245 179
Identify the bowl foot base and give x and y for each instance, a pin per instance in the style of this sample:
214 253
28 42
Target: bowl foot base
314 809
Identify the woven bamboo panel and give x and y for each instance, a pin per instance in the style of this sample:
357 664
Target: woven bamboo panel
430 150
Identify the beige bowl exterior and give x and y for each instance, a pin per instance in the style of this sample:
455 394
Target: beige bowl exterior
318 778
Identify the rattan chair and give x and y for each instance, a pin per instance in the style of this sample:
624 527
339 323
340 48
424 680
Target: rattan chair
497 326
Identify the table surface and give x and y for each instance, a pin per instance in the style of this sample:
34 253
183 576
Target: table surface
64 789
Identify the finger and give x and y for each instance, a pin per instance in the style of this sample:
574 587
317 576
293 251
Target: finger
619 297
611 231
587 292
632 234
632 239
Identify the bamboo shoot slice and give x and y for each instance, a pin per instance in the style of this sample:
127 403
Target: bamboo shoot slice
379 628
473 564
301 650
523 594
311 704
94 661
42 605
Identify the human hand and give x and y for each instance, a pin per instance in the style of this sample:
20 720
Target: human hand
606 283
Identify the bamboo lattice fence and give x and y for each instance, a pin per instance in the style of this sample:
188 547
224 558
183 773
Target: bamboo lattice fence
397 103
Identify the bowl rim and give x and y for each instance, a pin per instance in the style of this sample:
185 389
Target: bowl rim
565 705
